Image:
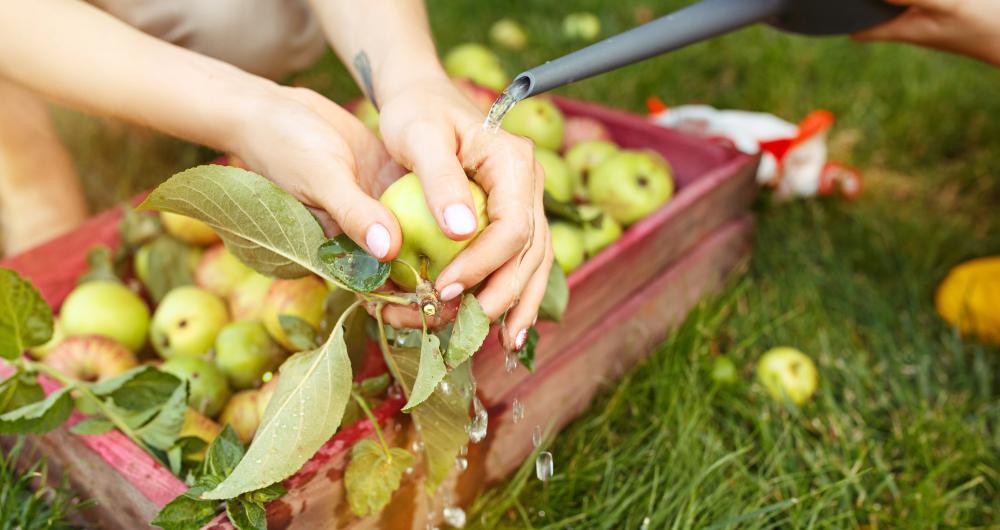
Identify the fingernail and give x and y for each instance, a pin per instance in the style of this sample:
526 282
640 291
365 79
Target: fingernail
377 240
451 291
522 336
459 219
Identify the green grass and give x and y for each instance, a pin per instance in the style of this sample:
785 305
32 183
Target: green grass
905 431
26 506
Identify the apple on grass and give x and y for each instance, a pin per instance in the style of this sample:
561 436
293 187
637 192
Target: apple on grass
303 298
559 178
187 322
188 229
583 157
244 352
91 358
509 34
476 63
595 238
630 185
219 271
246 300
207 386
240 412
567 245
787 373
106 308
423 239
537 119
582 26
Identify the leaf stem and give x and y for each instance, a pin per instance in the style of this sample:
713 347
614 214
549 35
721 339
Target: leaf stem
371 417
384 346
389 297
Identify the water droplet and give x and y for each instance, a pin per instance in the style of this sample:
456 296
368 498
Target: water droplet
454 517
480 420
417 446
259 460
462 463
445 388
517 410
544 466
645 524
541 513
536 436
510 362
409 470
267 376
464 450
397 427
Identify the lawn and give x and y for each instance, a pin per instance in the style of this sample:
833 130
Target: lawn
905 430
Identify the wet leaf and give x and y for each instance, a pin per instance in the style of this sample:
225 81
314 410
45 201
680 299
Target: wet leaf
40 416
350 264
430 372
224 454
373 475
470 330
25 318
527 353
556 296
246 515
299 332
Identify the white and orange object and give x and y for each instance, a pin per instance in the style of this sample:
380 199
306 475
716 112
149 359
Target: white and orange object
793 156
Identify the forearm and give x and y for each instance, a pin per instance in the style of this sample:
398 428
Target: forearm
76 54
392 36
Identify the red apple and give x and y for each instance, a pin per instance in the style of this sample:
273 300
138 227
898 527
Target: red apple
582 129
91 357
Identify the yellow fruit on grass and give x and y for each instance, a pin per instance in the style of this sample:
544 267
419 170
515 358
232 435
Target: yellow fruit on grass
969 298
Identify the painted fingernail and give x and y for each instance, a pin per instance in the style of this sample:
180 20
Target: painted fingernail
522 336
451 291
459 219
377 240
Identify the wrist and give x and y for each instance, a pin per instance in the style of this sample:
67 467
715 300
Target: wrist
405 73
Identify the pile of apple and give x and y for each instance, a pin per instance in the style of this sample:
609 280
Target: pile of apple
223 335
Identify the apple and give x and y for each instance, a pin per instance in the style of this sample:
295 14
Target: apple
187 322
106 308
788 373
507 33
481 96
198 426
207 386
583 157
244 352
595 238
724 370
40 352
476 63
629 185
140 261
559 178
91 357
188 229
219 271
537 119
247 297
367 114
567 244
582 26
579 129
300 297
240 412
423 239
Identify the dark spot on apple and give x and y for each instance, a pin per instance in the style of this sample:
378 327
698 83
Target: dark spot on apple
183 323
643 181
794 367
165 341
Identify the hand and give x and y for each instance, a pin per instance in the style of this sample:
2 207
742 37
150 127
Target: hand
430 127
968 27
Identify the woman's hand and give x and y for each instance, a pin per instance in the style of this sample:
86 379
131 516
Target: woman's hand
968 27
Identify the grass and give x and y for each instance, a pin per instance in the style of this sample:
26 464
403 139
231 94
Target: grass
26 506
905 431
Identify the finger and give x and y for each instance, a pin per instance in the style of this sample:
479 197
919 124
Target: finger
524 314
912 26
504 287
432 151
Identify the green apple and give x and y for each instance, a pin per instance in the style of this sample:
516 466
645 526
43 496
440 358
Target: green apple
303 298
207 386
91 358
246 300
595 238
509 34
198 426
537 119
423 239
187 322
724 370
580 129
244 352
40 352
188 229
583 157
788 373
476 63
567 244
106 308
630 185
582 26
559 178
219 271
367 114
240 412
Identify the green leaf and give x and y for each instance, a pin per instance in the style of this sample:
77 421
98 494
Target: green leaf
169 265
442 418
140 388
373 386
350 264
162 430
100 266
470 330
556 296
372 476
137 228
299 332
25 318
304 413
41 416
262 225
527 353
430 372
185 512
19 390
266 494
224 454
92 425
246 515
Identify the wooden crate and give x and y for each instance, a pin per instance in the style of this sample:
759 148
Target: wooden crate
622 302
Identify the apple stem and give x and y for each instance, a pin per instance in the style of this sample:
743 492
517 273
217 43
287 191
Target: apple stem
371 417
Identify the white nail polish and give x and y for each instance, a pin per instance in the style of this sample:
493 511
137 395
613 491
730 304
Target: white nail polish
377 240
459 219
522 336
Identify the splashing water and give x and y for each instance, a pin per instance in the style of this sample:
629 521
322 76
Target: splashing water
536 436
508 98
544 466
462 463
510 362
454 517
645 524
480 419
517 410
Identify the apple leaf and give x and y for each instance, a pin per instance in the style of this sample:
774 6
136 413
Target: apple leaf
92 425
100 266
556 296
441 419
261 224
18 391
25 318
40 416
300 333
140 388
161 431
224 454
430 372
470 330
137 228
186 512
373 475
527 353
169 266
246 515
350 264
304 413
